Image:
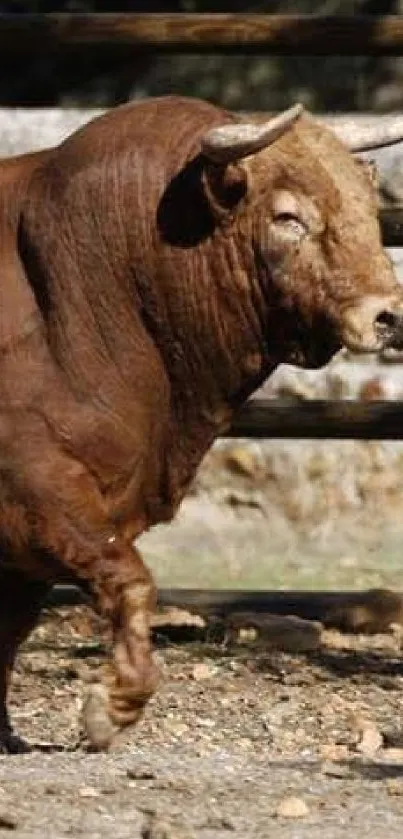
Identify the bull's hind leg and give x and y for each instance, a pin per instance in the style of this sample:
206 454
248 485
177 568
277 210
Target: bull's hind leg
20 605
72 523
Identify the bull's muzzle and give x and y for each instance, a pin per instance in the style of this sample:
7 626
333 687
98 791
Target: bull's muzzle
373 324
389 326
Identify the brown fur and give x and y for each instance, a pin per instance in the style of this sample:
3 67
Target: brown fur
145 293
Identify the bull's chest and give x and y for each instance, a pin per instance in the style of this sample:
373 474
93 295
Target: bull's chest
125 450
153 479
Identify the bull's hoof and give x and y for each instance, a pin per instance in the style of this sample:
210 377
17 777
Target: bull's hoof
97 723
12 744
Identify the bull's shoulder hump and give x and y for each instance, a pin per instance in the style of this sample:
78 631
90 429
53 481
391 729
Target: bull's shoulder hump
144 122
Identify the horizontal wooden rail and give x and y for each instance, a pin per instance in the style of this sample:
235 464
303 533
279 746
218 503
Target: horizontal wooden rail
368 611
320 419
222 602
197 33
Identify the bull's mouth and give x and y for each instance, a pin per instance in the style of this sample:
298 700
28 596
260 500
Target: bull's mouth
372 325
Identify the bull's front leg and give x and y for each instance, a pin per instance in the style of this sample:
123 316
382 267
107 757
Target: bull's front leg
73 524
126 594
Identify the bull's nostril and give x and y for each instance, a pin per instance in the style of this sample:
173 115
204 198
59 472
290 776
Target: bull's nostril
389 329
385 319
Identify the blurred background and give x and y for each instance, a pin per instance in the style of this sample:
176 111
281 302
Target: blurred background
332 83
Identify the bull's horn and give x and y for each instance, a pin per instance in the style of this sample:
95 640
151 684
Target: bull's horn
360 133
234 141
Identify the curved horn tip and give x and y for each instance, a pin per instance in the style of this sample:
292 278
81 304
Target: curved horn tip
363 134
233 141
296 110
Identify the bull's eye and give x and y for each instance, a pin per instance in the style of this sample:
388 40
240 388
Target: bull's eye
290 222
283 217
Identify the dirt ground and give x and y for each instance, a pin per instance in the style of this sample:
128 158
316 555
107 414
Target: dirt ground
240 741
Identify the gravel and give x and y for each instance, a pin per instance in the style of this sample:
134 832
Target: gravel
239 741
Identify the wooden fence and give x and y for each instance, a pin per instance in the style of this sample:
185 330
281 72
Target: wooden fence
124 35
197 33
320 419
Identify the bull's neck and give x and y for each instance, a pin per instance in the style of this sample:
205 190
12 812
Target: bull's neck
214 349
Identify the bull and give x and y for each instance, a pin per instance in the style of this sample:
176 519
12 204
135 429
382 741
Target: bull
156 267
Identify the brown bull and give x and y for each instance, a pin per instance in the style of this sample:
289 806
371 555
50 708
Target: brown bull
155 268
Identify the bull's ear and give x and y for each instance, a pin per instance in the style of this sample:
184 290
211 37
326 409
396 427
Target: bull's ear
224 187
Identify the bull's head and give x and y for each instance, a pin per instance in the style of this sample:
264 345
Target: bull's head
310 208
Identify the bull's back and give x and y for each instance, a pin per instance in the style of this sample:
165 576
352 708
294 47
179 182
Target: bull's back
96 242
169 127
127 157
